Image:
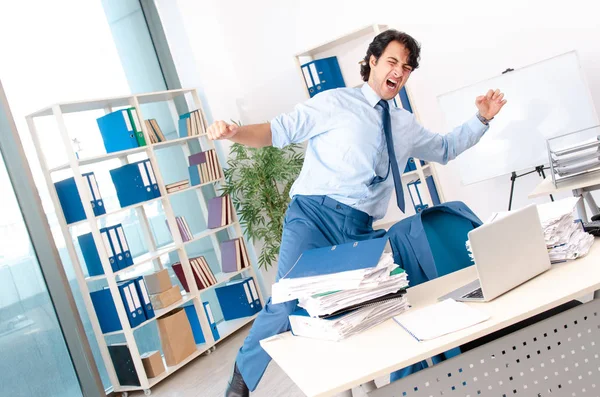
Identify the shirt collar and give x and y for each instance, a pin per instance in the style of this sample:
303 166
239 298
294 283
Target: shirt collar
371 97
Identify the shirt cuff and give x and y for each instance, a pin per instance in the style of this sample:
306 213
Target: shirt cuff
279 138
477 126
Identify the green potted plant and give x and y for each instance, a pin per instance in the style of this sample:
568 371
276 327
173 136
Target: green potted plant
259 182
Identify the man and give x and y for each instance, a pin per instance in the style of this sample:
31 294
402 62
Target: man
357 142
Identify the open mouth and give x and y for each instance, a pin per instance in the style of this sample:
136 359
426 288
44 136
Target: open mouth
392 84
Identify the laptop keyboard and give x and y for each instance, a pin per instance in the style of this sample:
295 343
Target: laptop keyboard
477 294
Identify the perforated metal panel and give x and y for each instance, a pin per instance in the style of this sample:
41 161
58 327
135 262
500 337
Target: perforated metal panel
559 356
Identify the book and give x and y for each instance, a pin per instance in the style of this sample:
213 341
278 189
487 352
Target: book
219 211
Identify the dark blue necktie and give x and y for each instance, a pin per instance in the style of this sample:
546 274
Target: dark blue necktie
387 129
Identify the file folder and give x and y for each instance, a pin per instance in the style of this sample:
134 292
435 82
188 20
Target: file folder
123 363
338 258
97 203
142 292
114 242
132 303
190 311
435 197
91 256
236 301
132 183
117 131
322 74
70 201
150 171
106 311
137 128
410 165
110 250
128 259
211 321
404 99
415 196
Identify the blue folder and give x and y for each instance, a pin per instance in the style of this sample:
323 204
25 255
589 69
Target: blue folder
117 132
106 311
117 256
142 291
91 256
132 184
192 316
338 258
127 258
325 74
97 202
70 201
236 301
211 321
132 303
435 197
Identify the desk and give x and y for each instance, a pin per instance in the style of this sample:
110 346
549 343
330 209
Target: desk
322 368
580 186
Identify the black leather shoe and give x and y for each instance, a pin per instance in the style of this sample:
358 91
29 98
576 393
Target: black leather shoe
237 387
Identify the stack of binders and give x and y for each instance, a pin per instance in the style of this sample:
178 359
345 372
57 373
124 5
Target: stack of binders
70 201
343 290
135 183
121 130
116 247
220 210
203 274
154 131
135 299
322 74
238 299
417 197
204 167
191 124
234 255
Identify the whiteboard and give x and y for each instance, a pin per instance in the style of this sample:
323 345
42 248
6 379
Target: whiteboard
544 100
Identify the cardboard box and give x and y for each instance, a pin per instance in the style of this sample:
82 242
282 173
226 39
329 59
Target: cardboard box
166 298
158 282
176 337
153 363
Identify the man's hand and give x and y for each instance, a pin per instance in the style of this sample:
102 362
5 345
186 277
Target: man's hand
490 104
222 130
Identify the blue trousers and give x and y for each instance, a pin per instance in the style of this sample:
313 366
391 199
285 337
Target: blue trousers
310 222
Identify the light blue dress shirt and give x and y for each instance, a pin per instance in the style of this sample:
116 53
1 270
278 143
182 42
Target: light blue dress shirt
347 149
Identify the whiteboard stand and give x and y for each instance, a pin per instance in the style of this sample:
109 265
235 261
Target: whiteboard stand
540 170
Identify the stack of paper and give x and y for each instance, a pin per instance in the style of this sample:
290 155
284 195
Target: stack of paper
565 237
343 289
440 319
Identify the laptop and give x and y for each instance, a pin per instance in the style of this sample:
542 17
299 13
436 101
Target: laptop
507 252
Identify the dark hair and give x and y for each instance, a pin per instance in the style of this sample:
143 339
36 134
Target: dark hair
380 43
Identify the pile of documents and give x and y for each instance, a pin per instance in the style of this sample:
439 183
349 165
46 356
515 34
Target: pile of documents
343 290
565 237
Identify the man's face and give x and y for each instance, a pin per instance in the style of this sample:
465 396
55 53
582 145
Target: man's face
390 72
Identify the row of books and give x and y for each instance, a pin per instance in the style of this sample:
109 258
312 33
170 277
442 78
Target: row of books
121 129
191 124
154 131
220 211
234 255
204 167
202 273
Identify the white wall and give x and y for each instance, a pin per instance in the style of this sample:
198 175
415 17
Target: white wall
244 53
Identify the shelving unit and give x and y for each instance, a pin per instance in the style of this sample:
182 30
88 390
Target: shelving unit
154 254
350 50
